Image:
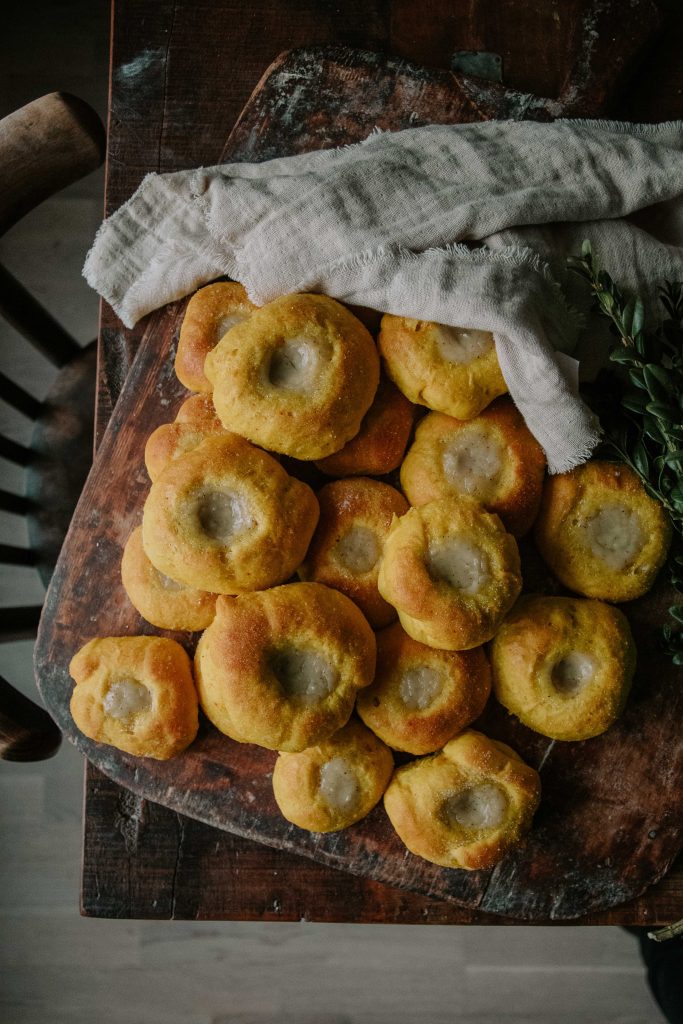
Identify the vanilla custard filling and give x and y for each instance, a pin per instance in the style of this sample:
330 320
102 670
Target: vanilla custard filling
223 515
295 365
304 675
358 550
225 323
482 806
572 672
339 786
472 463
460 564
166 583
126 698
461 345
615 535
419 687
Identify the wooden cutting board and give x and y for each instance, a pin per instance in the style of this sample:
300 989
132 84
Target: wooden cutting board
609 822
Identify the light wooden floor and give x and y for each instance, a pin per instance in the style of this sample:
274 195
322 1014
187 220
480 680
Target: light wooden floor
57 967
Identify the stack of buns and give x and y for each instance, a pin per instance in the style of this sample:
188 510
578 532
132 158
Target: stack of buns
406 614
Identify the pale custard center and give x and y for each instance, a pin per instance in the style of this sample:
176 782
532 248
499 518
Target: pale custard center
419 687
472 463
304 675
460 564
126 698
358 550
296 365
615 535
571 673
223 515
166 583
482 806
339 785
461 345
225 323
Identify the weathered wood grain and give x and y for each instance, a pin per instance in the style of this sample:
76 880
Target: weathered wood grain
602 835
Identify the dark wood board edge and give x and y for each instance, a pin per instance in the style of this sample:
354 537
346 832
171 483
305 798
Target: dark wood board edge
194 872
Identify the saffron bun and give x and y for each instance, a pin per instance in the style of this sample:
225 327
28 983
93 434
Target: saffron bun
297 377
355 516
601 533
449 369
159 599
379 445
335 783
210 313
563 665
281 668
493 458
420 697
135 693
466 806
226 518
196 420
452 573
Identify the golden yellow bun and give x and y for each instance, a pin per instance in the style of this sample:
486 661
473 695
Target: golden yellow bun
466 806
135 693
335 783
282 667
196 420
355 516
449 369
198 410
420 697
493 458
210 313
563 665
159 599
226 518
601 533
379 445
297 377
452 573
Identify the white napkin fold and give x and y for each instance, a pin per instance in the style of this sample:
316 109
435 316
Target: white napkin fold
382 224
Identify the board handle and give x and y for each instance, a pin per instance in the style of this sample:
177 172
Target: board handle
610 38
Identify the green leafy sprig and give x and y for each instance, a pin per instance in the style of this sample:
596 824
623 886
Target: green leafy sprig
641 409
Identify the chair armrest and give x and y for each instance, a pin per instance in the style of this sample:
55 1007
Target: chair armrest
44 146
27 733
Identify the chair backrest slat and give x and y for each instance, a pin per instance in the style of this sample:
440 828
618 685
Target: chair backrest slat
19 623
11 555
19 399
15 452
19 504
39 328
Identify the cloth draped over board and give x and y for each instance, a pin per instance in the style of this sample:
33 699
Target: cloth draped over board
465 225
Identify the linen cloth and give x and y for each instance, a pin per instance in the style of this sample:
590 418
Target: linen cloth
466 225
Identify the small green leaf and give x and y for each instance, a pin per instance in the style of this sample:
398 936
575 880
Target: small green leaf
676 612
662 410
678 659
638 317
673 457
640 459
586 248
622 355
627 315
636 377
659 380
635 402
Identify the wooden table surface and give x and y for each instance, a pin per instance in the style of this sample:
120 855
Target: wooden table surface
181 71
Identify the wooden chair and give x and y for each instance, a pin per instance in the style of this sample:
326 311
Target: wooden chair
44 146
